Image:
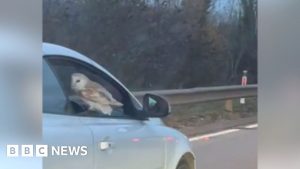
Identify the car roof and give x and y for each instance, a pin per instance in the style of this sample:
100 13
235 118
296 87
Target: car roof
53 49
50 49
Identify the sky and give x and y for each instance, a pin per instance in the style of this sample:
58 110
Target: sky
222 10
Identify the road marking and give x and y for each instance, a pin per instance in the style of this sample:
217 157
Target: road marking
219 133
251 126
207 136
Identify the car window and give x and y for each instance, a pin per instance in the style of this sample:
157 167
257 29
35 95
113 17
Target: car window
53 97
93 90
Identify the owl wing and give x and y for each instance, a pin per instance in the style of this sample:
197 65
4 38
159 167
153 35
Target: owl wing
102 91
93 95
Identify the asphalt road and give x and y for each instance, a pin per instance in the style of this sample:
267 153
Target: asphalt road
236 150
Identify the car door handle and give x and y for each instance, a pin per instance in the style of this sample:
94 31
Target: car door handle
104 145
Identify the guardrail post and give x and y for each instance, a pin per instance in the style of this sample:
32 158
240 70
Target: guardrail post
228 105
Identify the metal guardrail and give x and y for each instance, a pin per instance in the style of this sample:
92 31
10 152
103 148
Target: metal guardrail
202 94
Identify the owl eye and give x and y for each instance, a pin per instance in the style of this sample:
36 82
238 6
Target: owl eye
77 81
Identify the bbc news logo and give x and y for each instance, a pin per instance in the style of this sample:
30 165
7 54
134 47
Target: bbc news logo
44 150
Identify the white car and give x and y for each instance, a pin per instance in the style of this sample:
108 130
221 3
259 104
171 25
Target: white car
129 136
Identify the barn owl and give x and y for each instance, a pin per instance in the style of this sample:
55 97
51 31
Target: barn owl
93 94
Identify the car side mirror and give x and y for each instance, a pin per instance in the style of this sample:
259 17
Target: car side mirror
155 106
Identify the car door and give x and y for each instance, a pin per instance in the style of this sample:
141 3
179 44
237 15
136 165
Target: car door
120 140
126 144
62 130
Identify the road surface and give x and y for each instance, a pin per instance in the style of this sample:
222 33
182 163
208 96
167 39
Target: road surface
236 150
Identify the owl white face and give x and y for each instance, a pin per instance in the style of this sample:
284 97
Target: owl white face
78 81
